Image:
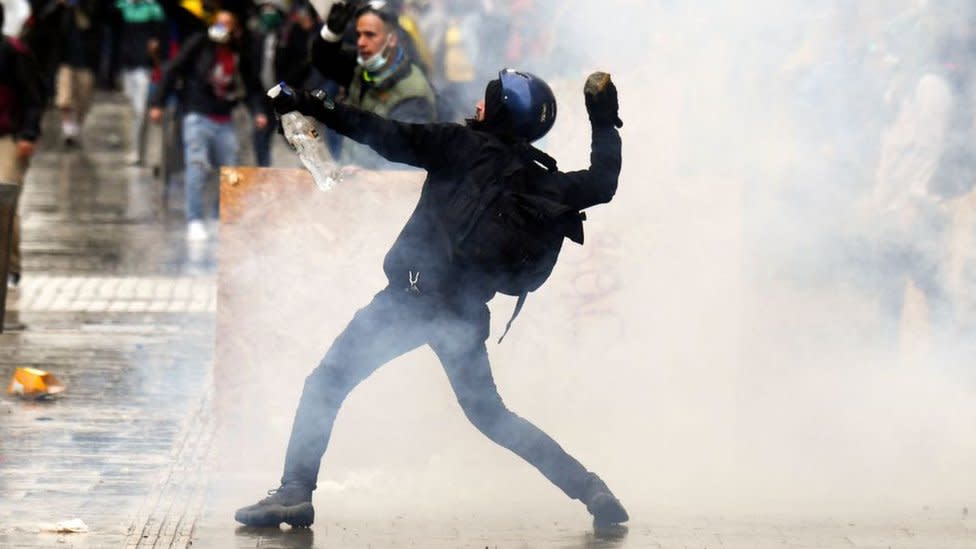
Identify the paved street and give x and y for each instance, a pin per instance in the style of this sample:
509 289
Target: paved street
118 306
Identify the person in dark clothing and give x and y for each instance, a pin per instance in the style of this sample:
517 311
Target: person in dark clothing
431 299
21 106
142 33
42 35
380 77
109 31
75 82
266 28
217 74
297 33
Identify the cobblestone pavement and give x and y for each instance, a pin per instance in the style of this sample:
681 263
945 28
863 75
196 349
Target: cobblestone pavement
117 305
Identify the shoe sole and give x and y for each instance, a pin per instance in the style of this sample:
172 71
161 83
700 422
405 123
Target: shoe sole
296 516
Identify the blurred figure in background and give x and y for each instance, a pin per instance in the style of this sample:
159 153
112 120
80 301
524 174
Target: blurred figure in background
456 60
379 77
928 159
217 74
42 35
266 28
292 63
21 106
142 35
529 38
75 81
109 31
17 13
413 36
427 20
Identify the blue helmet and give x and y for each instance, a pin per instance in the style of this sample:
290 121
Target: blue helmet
530 103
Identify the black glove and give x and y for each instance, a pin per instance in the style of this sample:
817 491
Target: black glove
601 100
289 99
339 17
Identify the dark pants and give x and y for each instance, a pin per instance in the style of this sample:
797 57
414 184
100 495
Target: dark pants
395 322
262 143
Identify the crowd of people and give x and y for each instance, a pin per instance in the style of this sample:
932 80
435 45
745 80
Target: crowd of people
901 72
410 60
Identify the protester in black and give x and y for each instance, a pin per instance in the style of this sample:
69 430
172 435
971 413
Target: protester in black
434 299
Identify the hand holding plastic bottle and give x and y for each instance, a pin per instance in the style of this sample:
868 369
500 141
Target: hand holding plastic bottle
303 136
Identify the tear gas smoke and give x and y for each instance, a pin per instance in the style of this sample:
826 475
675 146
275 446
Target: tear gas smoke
720 341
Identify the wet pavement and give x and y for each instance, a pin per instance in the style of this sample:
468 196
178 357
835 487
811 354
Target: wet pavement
115 304
122 309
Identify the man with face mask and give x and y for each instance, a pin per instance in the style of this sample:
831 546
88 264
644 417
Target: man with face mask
434 297
217 74
380 77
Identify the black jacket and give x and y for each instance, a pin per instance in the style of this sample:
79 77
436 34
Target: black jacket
292 63
134 37
79 32
21 92
289 63
193 65
59 34
451 153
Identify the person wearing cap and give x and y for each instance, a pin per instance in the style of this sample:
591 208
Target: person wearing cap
430 299
21 105
380 77
217 74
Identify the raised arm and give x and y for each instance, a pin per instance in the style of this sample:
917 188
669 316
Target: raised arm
327 53
598 183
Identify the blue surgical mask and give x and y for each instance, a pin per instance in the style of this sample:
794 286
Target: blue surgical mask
377 61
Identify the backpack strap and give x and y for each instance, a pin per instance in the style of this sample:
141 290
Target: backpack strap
518 309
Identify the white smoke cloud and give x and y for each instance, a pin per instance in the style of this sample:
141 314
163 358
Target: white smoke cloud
717 343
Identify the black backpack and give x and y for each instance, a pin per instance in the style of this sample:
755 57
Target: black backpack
509 228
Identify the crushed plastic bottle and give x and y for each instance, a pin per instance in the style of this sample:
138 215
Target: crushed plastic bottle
305 139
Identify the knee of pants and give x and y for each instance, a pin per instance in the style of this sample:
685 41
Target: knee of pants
329 382
197 155
487 414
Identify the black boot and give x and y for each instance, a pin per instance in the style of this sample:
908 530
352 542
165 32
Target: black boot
291 504
602 504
